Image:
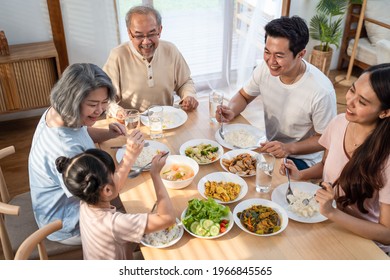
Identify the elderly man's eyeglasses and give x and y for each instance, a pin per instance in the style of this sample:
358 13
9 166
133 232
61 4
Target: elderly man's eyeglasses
143 37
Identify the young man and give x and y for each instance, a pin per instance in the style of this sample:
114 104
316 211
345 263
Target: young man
299 100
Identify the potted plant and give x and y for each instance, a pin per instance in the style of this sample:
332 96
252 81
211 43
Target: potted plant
326 26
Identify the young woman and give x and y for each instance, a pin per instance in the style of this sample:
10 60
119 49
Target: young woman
105 233
77 100
357 160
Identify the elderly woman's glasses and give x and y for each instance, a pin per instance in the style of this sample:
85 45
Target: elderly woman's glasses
143 37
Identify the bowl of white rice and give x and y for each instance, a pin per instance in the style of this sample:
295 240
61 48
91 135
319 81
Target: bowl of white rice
152 148
164 238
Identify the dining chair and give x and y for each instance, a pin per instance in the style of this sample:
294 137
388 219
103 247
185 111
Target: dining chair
36 240
19 225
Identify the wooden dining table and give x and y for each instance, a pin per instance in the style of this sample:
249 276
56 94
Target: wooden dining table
299 241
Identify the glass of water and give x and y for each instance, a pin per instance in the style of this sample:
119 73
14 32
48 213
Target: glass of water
156 119
264 169
132 120
215 99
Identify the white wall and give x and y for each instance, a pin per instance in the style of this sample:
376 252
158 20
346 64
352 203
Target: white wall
90 26
306 9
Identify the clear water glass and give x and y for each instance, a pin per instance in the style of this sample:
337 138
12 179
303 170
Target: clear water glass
264 169
132 120
156 119
215 99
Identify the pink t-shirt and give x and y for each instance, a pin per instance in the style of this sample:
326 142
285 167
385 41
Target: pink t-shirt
333 140
106 234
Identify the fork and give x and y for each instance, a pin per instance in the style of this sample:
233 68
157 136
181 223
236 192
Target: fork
289 190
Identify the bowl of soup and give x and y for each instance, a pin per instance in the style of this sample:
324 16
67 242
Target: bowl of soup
179 171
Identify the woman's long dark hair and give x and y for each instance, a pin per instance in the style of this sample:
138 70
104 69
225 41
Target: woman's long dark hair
364 173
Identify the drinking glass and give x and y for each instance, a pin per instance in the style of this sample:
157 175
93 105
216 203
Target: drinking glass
115 113
264 169
215 99
156 118
132 120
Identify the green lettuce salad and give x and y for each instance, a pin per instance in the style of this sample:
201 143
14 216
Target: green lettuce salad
204 209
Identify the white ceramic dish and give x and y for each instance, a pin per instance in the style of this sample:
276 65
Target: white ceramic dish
179 159
258 134
259 201
173 118
151 150
232 154
196 142
225 177
172 242
231 223
279 197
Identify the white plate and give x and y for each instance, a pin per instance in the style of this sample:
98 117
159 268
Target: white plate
229 217
258 134
196 142
172 242
152 150
233 153
259 201
173 117
226 177
279 196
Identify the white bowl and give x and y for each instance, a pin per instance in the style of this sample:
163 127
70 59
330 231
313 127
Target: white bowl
179 159
259 201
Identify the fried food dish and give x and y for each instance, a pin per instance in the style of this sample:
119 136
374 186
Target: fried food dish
224 191
260 219
242 164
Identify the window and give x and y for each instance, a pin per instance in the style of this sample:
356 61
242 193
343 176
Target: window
210 34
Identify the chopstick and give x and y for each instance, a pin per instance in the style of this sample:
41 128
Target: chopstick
116 147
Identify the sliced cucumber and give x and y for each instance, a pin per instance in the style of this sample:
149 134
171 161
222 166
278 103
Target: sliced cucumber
214 230
207 224
193 226
200 231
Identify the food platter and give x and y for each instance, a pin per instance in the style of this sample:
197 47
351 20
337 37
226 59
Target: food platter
225 177
279 197
197 142
247 135
147 154
230 226
173 117
264 202
157 239
233 154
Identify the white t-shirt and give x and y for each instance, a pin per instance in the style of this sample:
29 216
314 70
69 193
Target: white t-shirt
295 112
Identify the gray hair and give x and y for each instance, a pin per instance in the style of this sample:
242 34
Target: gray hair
142 10
77 81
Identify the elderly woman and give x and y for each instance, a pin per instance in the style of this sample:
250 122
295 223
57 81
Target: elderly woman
65 129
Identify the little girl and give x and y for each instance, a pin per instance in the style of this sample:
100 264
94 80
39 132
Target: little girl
105 233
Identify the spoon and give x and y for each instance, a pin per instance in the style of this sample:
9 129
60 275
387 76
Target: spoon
138 171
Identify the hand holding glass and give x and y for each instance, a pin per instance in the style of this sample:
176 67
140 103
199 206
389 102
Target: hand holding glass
264 169
132 120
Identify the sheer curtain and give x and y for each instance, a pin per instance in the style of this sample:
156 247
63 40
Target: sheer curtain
221 40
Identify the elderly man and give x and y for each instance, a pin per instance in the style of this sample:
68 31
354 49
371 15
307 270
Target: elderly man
148 71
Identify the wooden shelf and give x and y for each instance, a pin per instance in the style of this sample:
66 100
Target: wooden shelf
27 76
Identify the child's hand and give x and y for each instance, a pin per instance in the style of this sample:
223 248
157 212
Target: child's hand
135 142
158 163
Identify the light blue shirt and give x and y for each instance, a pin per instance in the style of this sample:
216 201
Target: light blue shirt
50 198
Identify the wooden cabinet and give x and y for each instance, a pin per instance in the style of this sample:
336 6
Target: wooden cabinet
27 76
